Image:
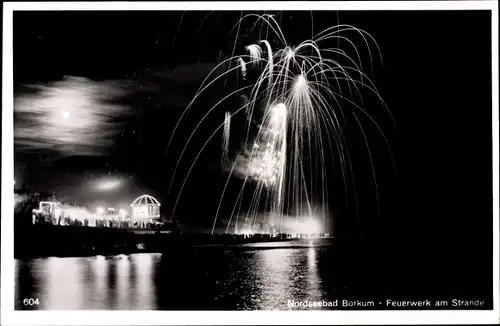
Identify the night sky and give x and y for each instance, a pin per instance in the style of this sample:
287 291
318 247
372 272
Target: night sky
435 79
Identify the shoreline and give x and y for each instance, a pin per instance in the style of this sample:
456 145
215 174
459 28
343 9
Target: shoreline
31 242
232 247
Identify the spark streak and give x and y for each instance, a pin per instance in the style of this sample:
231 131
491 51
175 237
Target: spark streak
225 139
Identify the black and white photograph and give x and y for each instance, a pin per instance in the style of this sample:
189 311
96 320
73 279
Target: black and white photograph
302 162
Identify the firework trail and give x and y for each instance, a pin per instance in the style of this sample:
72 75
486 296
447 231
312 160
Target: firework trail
297 97
243 66
225 139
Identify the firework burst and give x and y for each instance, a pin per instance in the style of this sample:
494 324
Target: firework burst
297 97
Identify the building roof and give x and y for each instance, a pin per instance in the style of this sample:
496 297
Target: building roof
145 200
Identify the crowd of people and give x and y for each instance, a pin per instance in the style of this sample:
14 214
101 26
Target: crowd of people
127 223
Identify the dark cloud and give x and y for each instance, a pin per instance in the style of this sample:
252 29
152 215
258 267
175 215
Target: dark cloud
75 116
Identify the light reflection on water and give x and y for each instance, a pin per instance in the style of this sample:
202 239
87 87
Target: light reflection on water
203 279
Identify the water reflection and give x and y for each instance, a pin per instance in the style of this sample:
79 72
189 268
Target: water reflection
143 287
315 291
287 274
118 282
98 276
198 279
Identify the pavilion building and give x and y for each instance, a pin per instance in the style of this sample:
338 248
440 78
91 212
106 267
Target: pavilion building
145 209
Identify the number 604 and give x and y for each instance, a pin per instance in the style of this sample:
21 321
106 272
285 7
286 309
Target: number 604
31 301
